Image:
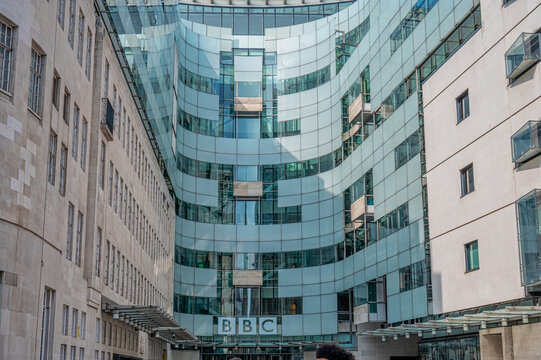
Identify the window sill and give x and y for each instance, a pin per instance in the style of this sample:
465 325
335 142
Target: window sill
472 270
466 194
35 114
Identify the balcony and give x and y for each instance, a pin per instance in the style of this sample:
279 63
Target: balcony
248 104
248 189
369 301
361 206
522 55
529 234
245 278
359 106
526 142
107 119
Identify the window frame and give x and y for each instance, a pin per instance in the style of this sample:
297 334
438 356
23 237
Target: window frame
51 163
36 79
465 180
9 48
467 251
462 106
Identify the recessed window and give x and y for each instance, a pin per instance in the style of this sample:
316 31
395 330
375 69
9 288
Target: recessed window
63 169
6 51
472 256
34 89
462 107
466 180
66 110
56 90
51 166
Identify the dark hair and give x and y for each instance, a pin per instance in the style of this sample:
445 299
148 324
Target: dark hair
333 352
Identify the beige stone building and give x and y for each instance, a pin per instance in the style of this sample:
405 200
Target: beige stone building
86 217
481 110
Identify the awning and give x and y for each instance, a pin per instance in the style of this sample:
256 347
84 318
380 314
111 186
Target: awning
497 317
151 319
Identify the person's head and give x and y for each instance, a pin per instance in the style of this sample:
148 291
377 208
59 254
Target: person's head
333 352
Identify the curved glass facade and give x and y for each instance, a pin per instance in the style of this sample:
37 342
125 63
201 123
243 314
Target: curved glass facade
293 140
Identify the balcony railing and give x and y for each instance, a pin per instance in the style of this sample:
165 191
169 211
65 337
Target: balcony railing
529 234
523 54
526 142
108 119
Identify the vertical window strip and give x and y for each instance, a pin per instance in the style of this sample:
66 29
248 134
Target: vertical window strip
34 90
63 169
75 137
71 23
69 242
61 8
51 166
98 253
88 60
6 51
84 135
80 38
79 239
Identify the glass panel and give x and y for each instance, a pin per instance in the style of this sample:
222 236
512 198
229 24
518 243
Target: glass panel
248 88
248 127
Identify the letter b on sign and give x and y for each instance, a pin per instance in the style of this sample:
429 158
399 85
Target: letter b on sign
226 325
247 326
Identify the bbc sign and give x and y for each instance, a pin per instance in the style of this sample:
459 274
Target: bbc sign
247 326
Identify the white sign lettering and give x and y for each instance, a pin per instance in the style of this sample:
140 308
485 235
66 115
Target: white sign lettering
247 326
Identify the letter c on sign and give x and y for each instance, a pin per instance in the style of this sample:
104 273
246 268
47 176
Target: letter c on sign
263 325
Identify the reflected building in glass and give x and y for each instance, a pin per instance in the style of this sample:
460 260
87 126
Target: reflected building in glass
294 138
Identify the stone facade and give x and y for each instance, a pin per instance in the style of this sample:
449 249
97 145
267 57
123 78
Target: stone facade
36 255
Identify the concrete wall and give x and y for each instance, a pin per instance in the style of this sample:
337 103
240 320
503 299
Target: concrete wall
520 342
497 110
33 213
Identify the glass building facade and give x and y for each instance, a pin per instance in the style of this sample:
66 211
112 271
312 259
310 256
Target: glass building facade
292 139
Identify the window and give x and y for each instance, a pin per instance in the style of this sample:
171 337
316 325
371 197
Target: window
466 180
63 164
79 239
66 110
56 90
75 138
88 60
112 281
406 150
472 256
102 165
73 352
74 322
51 164
71 23
115 202
69 243
61 7
80 38
98 252
65 319
47 324
106 270
106 80
83 325
6 51
111 170
412 276
34 89
98 327
462 107
81 354
84 134
63 352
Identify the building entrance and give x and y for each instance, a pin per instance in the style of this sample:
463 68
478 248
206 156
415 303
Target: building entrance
252 356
